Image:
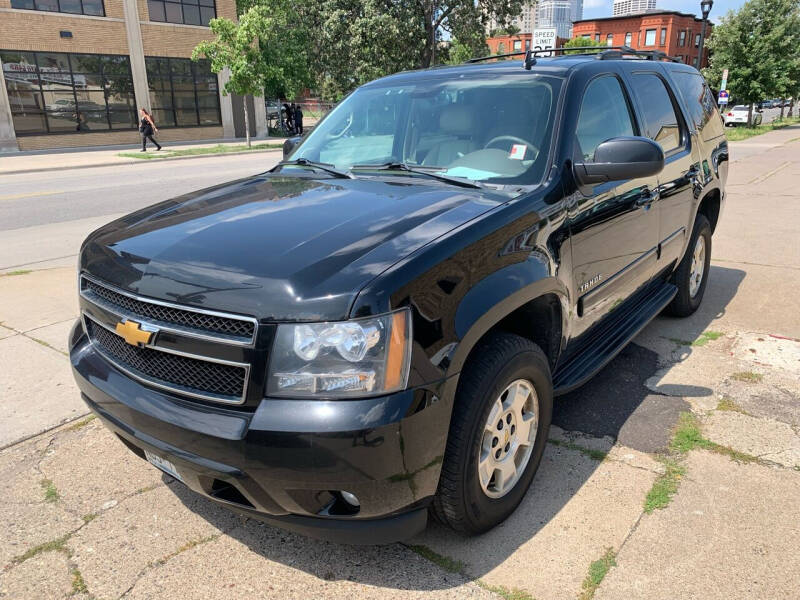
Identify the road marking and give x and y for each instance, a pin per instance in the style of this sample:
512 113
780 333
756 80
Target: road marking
34 195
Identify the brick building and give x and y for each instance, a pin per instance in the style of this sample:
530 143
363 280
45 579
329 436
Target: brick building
673 32
503 44
75 72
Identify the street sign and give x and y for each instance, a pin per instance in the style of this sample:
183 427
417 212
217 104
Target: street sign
723 97
543 39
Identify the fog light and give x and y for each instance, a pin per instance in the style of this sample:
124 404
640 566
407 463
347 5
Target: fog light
351 499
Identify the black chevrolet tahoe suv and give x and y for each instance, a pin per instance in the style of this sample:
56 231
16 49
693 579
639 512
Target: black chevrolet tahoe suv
375 329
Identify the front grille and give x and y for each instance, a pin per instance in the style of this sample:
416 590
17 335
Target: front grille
181 373
183 319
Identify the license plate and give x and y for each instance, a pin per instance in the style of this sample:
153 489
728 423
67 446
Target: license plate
163 464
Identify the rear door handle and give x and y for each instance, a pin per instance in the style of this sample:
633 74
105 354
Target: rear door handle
647 198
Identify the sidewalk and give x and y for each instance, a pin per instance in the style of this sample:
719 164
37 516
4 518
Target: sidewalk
37 161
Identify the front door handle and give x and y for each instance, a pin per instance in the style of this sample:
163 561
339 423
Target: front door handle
647 197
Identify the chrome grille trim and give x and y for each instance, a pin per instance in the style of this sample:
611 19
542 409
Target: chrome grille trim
161 384
198 333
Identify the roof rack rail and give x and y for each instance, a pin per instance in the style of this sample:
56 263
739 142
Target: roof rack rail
605 53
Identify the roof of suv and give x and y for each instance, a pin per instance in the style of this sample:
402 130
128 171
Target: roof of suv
559 66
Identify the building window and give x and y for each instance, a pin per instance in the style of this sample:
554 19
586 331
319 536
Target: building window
517 44
697 41
596 37
682 38
650 37
527 44
75 7
628 39
189 12
610 39
183 93
51 92
663 40
587 36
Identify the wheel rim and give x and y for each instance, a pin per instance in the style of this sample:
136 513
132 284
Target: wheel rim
698 266
508 438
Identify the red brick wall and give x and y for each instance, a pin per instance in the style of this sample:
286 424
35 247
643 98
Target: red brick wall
637 25
508 43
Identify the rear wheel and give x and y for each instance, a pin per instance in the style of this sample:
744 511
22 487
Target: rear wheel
691 276
498 433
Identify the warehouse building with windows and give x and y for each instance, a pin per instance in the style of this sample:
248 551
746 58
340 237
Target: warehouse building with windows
75 72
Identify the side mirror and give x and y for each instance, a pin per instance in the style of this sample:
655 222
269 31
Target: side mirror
621 158
289 145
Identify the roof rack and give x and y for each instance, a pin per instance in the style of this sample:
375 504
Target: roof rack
605 53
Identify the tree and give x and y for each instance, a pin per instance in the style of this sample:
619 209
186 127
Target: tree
266 52
760 47
579 42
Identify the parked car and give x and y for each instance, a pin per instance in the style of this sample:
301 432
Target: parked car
376 328
737 115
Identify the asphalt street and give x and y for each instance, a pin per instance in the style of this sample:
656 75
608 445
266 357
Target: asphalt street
45 216
31 199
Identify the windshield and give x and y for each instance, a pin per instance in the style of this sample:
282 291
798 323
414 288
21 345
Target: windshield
494 130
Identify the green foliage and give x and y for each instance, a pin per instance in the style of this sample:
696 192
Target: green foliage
445 562
580 42
266 52
760 46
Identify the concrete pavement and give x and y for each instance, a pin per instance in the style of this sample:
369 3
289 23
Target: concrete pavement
84 516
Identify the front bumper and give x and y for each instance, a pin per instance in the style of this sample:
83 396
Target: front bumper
287 461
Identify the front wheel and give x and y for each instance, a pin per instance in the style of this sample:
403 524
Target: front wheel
498 433
691 276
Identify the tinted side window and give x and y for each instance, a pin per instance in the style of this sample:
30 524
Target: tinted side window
604 115
661 122
700 102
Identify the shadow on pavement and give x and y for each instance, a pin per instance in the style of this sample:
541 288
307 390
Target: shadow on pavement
615 403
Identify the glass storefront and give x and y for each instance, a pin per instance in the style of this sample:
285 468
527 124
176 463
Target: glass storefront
183 93
53 92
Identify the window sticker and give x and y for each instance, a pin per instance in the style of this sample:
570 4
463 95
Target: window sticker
518 151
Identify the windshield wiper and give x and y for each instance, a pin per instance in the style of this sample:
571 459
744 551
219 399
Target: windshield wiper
327 167
401 166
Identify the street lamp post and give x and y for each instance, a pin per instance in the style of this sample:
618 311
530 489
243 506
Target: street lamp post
705 6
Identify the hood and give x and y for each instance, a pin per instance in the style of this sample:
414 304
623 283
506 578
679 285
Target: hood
277 248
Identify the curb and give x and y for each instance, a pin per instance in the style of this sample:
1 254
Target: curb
134 161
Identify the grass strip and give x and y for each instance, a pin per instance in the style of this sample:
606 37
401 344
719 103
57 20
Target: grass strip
688 437
218 149
56 545
665 485
445 562
738 133
504 592
597 572
747 376
50 491
728 405
597 455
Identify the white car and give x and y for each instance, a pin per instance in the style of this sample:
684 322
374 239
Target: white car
738 116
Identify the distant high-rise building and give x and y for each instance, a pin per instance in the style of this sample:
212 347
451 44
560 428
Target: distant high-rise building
525 22
632 7
559 15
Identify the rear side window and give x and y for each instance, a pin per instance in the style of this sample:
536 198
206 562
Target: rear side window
700 102
604 115
661 122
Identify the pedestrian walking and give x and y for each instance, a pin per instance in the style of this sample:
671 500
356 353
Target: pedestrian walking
287 110
147 128
298 119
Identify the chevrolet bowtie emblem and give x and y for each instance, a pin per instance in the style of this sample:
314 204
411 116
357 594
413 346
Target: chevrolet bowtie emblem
132 332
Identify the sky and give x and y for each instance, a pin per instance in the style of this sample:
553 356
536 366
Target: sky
602 8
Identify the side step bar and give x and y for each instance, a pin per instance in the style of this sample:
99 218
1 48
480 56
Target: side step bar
611 338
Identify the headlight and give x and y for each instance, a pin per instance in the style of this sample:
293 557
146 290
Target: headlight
360 357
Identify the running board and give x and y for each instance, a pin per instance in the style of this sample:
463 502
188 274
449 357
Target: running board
611 337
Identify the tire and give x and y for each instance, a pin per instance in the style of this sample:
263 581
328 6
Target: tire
689 296
502 359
